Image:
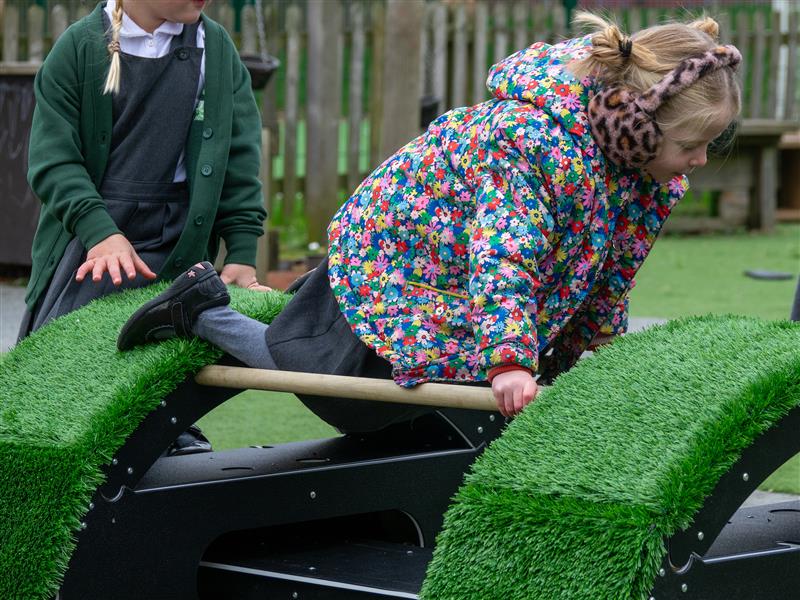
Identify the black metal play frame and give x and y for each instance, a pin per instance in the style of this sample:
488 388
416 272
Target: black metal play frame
355 516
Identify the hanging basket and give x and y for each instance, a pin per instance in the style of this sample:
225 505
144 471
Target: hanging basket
260 68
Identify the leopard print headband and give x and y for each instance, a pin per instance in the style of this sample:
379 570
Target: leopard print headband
623 122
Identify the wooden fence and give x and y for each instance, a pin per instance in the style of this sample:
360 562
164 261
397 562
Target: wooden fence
354 71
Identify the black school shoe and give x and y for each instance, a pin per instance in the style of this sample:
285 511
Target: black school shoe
191 441
173 312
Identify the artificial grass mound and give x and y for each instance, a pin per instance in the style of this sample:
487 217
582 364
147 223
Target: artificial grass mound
68 401
575 498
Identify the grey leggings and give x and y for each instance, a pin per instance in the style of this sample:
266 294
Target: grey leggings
238 335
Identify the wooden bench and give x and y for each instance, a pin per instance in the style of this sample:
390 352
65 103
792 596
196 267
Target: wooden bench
789 147
747 180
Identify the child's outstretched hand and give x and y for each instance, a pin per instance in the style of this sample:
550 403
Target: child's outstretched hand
513 390
242 276
114 254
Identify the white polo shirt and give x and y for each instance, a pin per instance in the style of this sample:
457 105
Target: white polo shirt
138 42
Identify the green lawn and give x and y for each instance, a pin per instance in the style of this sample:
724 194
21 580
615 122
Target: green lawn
256 418
696 275
683 276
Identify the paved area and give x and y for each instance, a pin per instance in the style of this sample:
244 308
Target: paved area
758 497
12 306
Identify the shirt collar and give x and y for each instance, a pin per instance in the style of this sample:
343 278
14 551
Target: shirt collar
131 29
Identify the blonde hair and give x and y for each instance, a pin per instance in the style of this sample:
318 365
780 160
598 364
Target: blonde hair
652 53
112 79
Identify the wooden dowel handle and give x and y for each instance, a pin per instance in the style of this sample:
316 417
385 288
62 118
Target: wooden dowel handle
357 388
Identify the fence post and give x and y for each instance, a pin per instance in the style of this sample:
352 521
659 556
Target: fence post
742 39
378 27
249 43
35 34
500 30
11 34
82 10
225 17
425 87
766 188
400 116
263 255
479 47
772 74
294 17
539 17
59 21
355 97
459 81
323 113
520 12
440 56
269 98
757 81
790 110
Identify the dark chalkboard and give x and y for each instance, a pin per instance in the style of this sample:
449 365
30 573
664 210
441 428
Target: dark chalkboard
19 208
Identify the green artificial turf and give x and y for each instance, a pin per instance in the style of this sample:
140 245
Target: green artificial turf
68 400
576 498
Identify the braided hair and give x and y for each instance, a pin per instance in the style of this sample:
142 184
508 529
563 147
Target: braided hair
112 79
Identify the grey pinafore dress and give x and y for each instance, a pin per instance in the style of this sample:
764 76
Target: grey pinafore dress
311 334
152 115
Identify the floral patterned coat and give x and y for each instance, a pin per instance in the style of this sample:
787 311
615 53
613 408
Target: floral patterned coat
500 234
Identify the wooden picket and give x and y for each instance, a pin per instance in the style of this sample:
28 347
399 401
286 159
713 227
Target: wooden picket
35 22
376 75
742 38
520 18
59 21
792 112
400 110
11 34
323 114
500 10
459 80
249 39
438 15
479 44
356 89
772 66
291 107
757 66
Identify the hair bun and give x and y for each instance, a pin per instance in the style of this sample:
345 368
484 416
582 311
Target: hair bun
612 37
707 25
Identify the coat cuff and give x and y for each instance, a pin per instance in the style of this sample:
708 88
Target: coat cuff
495 371
241 248
95 226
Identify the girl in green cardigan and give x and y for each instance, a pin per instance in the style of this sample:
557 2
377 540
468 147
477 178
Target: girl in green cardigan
144 150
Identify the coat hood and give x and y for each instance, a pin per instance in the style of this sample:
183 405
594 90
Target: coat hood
540 75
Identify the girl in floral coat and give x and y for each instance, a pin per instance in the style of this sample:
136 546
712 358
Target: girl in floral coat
502 242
